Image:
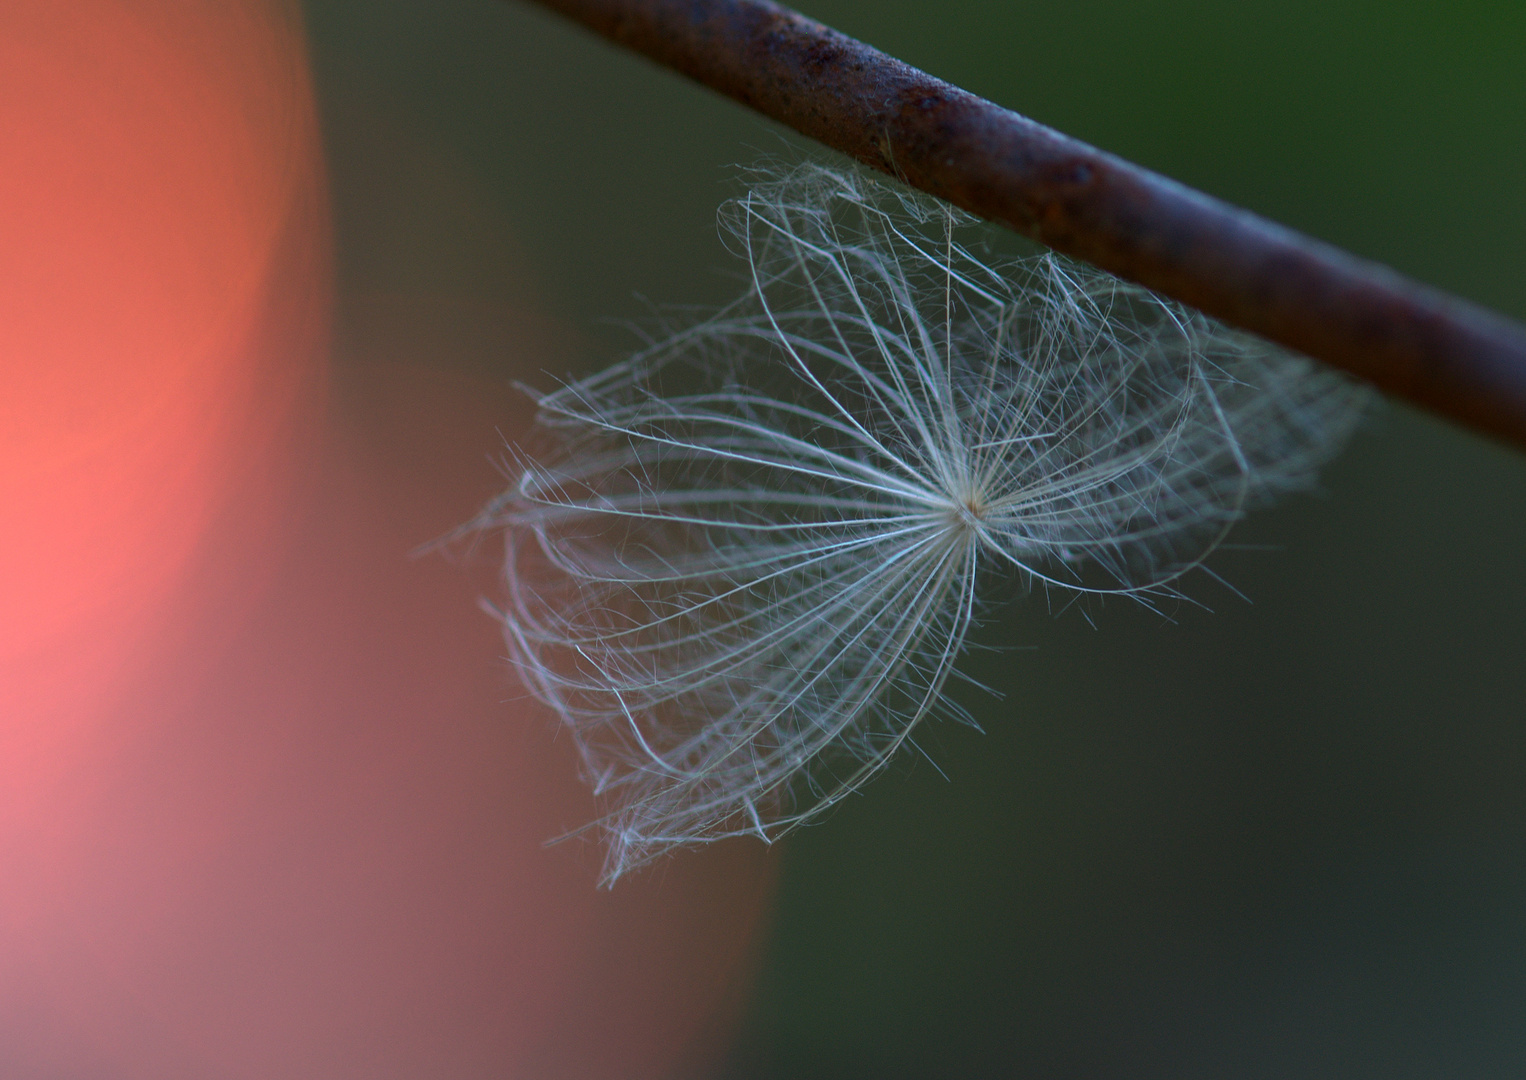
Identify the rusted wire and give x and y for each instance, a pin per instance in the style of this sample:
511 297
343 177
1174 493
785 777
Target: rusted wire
1440 352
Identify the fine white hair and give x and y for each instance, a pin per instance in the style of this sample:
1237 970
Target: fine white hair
742 563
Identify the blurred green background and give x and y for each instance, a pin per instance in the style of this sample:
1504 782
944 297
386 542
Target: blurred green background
1286 837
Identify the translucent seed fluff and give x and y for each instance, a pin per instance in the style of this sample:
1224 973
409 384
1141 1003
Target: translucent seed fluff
741 564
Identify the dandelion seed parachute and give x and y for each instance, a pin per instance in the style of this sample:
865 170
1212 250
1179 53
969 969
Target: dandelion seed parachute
742 564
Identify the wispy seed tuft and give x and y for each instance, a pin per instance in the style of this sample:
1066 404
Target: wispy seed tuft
742 563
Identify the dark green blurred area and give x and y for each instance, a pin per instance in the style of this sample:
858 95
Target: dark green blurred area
1284 838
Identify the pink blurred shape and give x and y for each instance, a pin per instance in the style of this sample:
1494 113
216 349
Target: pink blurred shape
160 198
270 803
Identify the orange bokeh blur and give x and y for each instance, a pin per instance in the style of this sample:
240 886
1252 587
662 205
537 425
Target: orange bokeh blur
270 804
158 192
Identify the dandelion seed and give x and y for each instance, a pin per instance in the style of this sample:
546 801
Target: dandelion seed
742 564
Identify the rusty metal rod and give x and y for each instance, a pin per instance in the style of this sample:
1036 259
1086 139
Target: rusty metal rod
1440 352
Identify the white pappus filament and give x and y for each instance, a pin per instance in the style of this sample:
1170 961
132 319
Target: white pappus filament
742 563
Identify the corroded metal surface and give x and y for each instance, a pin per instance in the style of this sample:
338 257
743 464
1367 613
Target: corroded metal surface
1442 353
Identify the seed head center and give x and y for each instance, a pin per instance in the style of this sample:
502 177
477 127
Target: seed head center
968 512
